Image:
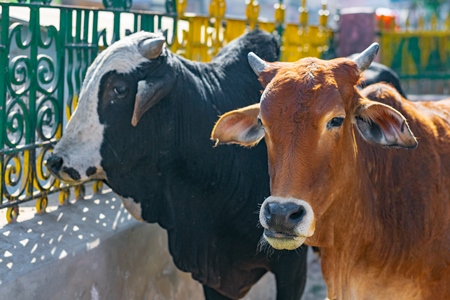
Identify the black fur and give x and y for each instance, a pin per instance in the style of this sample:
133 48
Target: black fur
380 73
204 197
377 73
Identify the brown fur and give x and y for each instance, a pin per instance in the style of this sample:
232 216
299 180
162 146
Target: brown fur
238 121
382 215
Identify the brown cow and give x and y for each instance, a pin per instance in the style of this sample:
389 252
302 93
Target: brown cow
380 215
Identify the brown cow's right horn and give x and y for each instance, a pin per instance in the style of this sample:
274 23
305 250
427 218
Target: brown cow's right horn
256 63
365 58
152 48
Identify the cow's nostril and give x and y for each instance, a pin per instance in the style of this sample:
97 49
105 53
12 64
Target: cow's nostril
267 212
298 215
54 163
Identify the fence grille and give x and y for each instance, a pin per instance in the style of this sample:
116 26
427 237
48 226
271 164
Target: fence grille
45 51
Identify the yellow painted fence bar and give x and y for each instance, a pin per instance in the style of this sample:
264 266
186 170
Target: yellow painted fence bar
206 35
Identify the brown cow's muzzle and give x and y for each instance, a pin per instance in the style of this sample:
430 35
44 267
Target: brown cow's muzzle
287 222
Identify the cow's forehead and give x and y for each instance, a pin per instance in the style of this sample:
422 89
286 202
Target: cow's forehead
308 85
123 56
298 85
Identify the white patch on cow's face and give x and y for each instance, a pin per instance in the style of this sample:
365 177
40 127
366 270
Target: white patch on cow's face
80 145
133 208
304 229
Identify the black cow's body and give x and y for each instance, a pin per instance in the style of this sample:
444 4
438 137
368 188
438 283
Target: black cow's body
206 198
380 73
377 73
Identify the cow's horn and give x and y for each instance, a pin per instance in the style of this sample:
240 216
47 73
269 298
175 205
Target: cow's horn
365 58
257 64
152 48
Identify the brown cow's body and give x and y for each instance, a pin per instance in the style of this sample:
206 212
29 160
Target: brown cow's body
381 216
387 233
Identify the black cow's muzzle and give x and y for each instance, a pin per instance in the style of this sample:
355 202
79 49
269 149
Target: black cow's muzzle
55 166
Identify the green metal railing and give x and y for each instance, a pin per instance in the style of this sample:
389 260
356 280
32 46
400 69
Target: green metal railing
43 67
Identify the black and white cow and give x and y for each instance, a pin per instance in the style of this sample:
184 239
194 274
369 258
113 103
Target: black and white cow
143 123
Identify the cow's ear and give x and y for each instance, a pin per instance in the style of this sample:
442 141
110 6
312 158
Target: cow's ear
381 124
148 94
239 126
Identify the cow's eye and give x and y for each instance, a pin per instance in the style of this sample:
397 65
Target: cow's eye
120 90
335 122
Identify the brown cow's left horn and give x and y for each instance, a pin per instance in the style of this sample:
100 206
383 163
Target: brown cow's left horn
257 64
152 48
365 58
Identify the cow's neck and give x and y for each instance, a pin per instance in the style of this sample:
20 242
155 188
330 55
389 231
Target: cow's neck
224 84
192 173
373 231
213 90
204 75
